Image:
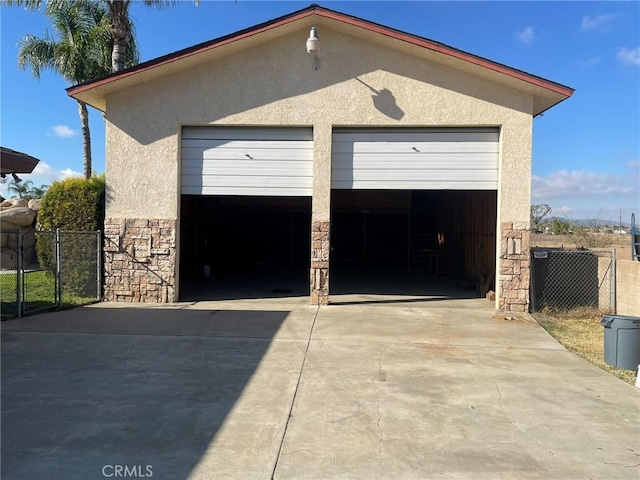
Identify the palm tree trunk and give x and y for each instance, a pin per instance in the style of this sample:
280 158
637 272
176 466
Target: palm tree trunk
120 32
86 138
118 54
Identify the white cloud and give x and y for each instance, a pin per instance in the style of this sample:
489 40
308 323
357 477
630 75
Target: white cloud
590 62
45 171
63 131
633 164
580 183
564 209
526 35
68 172
628 57
598 22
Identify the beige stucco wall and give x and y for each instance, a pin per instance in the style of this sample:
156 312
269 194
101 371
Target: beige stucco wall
275 84
627 287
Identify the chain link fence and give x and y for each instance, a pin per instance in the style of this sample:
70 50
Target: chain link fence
37 279
43 270
564 280
9 274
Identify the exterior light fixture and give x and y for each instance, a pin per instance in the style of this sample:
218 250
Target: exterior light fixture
16 179
313 46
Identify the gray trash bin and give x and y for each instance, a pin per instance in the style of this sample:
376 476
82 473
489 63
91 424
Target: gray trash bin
621 341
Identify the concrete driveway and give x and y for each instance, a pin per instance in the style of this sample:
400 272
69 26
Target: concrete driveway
395 388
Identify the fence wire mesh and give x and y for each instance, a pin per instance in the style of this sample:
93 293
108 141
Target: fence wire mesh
42 270
38 271
79 267
9 274
569 279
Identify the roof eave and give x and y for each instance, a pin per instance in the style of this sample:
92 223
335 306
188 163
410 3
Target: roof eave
12 161
92 92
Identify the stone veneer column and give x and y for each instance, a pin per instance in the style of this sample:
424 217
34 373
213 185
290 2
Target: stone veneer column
514 274
320 263
139 260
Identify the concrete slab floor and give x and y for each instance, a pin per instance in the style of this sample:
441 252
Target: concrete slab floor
391 387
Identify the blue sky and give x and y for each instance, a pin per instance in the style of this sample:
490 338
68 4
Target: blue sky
586 151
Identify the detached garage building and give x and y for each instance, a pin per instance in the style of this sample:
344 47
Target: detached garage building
384 149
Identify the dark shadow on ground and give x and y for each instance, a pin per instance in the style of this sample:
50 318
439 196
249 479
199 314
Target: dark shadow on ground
247 285
423 286
123 386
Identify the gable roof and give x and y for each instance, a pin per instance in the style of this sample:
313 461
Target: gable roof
546 92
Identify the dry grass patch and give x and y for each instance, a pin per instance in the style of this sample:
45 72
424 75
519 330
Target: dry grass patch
580 332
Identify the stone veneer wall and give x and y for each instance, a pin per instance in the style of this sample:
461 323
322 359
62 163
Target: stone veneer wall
320 263
515 264
139 260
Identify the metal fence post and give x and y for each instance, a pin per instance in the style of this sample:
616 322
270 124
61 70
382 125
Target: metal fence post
614 299
99 263
58 269
19 282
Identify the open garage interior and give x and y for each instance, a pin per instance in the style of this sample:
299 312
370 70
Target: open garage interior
412 207
245 219
244 247
413 242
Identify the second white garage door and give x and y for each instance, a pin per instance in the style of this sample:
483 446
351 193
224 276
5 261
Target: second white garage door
247 161
415 159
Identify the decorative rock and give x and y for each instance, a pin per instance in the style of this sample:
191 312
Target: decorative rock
8 259
28 240
14 202
20 216
35 204
12 240
8 227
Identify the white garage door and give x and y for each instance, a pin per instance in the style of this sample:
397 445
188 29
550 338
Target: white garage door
247 161
415 159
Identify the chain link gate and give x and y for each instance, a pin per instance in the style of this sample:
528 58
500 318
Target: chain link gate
9 277
38 272
569 279
43 270
79 263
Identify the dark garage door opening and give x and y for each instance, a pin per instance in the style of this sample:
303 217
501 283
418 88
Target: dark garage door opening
244 247
413 242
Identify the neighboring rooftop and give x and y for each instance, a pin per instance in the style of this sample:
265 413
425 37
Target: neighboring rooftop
12 161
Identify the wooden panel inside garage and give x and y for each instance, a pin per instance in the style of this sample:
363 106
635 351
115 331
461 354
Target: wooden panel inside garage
457 227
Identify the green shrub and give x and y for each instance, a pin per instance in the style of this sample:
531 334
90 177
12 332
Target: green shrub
72 205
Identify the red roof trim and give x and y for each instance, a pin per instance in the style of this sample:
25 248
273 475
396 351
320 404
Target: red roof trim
188 52
447 50
334 15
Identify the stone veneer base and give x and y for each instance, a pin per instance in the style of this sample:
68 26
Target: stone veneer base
515 267
320 263
140 260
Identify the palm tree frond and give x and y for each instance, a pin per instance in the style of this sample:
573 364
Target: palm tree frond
28 4
38 53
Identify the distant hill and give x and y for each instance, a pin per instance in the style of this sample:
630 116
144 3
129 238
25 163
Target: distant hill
589 222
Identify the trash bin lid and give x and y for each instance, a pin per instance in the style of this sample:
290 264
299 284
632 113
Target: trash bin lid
607 320
630 321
